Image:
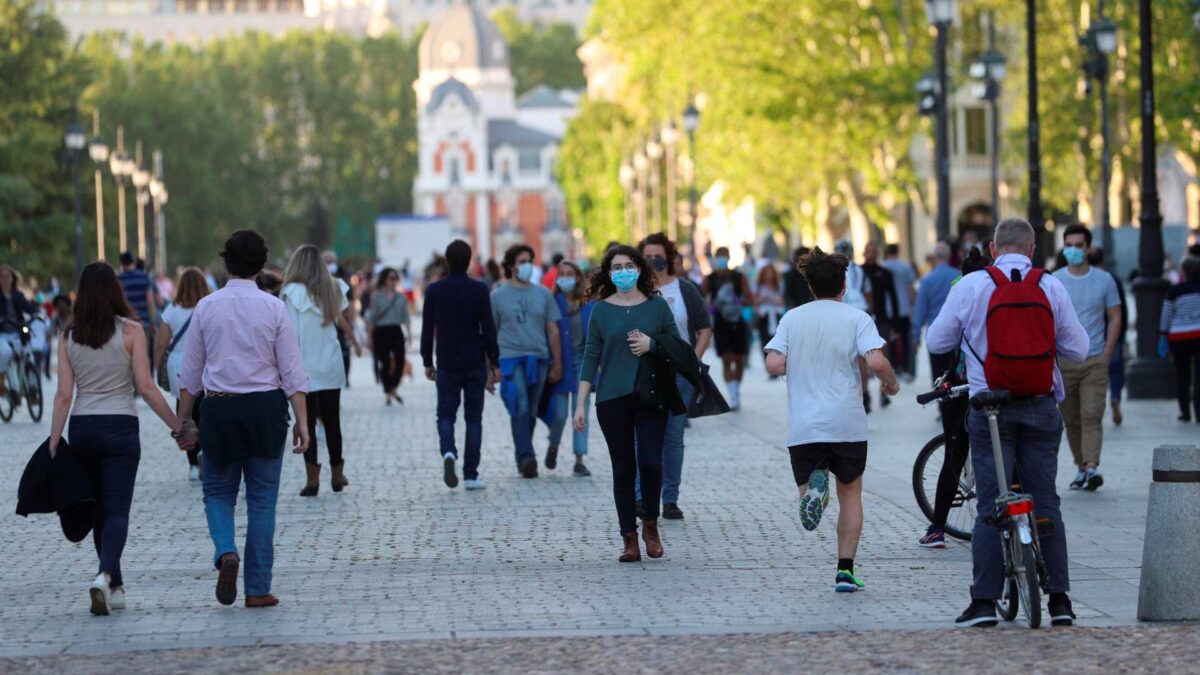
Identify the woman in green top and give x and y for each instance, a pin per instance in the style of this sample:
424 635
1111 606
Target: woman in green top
619 334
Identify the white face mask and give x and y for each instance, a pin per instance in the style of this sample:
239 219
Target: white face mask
525 271
332 267
566 284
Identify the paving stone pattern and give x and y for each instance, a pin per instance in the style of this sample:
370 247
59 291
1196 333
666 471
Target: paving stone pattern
398 556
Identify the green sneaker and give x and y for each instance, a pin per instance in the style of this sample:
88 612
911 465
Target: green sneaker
815 499
847 582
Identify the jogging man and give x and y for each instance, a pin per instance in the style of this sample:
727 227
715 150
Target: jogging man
1098 305
526 317
819 346
1030 427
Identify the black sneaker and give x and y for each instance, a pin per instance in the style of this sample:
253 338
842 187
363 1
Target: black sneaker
981 613
672 512
552 457
528 467
638 510
581 471
448 471
1061 613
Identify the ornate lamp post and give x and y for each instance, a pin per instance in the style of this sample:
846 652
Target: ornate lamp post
98 151
122 169
989 70
75 141
141 181
1100 40
940 14
1037 216
691 122
158 195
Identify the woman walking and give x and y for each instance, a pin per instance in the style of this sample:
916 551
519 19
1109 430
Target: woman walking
728 293
1181 335
101 363
388 324
575 311
315 301
632 338
768 303
172 340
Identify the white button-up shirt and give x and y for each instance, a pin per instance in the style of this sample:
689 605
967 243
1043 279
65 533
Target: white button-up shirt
964 315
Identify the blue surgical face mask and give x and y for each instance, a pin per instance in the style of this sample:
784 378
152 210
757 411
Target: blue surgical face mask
525 271
1075 256
566 284
625 280
721 262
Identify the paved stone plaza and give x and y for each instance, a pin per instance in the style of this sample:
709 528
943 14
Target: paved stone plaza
399 557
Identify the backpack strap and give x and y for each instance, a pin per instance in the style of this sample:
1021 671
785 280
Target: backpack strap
1035 276
997 276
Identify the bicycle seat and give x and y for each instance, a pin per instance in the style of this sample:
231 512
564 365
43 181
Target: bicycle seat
991 399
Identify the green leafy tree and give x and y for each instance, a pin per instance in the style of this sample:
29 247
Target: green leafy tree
589 159
541 54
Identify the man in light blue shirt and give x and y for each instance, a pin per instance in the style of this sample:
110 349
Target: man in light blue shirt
1030 428
931 294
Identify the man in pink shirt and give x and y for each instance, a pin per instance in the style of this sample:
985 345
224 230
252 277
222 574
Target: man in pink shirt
243 359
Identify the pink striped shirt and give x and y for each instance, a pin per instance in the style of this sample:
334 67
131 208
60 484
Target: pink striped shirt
241 341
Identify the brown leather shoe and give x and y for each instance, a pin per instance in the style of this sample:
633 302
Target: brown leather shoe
313 485
227 579
632 552
654 547
267 600
339 478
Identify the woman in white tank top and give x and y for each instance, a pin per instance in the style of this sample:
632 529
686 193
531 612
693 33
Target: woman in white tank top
102 361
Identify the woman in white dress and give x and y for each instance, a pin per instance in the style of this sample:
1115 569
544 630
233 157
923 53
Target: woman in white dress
172 340
315 301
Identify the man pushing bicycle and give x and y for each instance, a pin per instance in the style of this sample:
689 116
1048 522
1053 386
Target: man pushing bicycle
1011 323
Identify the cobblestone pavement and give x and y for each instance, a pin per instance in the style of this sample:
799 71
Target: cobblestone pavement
398 556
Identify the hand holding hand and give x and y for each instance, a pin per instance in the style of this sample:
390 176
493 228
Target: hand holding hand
639 342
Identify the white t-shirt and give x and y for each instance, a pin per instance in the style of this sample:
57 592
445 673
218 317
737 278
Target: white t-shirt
823 341
175 316
319 346
673 294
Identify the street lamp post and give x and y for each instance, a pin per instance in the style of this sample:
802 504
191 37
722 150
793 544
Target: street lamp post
989 69
98 151
691 122
141 181
121 167
75 140
941 15
1149 375
1037 216
158 193
1100 40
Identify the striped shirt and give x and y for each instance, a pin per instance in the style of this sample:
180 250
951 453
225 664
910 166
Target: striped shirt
136 284
1181 312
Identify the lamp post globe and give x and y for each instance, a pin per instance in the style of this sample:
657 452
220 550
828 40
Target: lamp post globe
940 12
98 151
1104 32
691 118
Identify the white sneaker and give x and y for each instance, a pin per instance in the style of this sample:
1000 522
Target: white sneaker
100 595
116 598
474 484
194 472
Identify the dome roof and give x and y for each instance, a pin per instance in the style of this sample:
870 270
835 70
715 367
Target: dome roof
463 37
452 87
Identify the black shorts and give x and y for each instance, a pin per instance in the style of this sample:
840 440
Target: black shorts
847 461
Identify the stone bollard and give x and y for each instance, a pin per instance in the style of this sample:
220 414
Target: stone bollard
1170 588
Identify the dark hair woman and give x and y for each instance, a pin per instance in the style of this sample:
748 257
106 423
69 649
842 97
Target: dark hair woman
172 337
388 331
631 322
768 302
575 311
101 363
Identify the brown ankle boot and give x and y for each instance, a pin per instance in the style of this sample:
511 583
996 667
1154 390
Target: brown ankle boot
339 479
313 486
632 552
654 547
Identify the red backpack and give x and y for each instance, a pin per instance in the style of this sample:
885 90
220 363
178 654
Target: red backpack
1020 334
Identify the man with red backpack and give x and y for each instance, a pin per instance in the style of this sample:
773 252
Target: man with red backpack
1011 324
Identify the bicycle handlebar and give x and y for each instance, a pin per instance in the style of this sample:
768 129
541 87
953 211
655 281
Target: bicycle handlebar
941 393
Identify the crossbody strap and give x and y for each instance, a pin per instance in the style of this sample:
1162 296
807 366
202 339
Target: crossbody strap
175 340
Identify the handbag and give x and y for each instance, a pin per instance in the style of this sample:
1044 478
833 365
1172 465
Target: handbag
163 375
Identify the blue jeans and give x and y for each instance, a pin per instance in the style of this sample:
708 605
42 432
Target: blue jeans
466 387
262 493
109 450
673 447
565 411
1030 433
524 415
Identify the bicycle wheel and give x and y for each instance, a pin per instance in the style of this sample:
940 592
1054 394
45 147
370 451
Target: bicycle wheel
1008 606
928 467
33 391
7 405
1025 573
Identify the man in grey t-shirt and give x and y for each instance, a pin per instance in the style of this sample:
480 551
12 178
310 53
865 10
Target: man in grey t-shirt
1097 304
530 349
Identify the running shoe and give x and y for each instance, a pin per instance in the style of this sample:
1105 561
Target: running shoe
815 499
116 598
448 474
1080 478
847 582
474 484
934 538
1061 613
1092 479
981 613
99 594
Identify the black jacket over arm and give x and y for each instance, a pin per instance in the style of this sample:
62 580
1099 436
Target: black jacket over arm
656 387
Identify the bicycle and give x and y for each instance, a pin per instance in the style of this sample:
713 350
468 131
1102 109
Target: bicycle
24 382
1013 516
928 468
